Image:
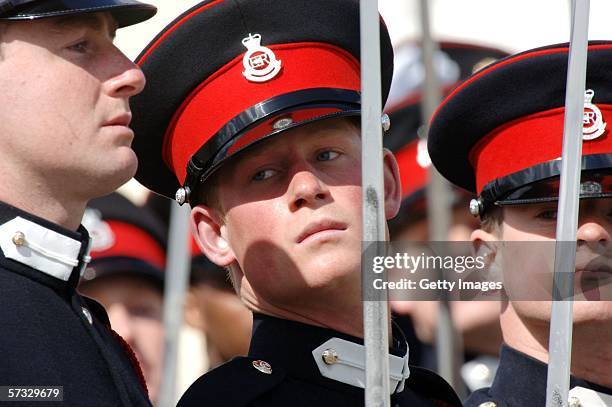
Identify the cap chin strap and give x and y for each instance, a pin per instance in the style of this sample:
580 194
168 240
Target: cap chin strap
344 361
210 155
497 190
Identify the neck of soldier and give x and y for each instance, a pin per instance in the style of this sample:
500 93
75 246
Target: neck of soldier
331 310
43 199
591 344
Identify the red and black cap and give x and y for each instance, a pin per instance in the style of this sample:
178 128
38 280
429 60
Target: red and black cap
454 62
499 134
126 240
125 12
229 73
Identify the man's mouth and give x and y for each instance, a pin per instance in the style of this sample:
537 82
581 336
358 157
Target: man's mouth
590 280
122 119
320 228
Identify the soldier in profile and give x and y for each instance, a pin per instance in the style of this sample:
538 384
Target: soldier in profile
65 136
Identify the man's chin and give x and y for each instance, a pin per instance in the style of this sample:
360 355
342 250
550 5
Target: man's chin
109 182
335 263
124 170
592 312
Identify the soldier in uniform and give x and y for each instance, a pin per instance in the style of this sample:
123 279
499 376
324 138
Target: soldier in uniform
64 91
125 275
499 135
251 115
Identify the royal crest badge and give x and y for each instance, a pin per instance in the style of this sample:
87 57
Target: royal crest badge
260 63
101 234
593 125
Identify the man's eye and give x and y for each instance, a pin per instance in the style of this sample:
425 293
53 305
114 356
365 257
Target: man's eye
327 155
548 215
262 175
81 47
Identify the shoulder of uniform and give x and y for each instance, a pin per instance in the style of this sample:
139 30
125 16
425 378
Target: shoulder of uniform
428 384
483 398
235 383
97 310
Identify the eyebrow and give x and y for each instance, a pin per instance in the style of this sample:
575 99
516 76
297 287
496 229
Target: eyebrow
94 21
265 148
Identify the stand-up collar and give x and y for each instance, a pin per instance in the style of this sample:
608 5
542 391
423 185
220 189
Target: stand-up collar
42 250
520 377
298 347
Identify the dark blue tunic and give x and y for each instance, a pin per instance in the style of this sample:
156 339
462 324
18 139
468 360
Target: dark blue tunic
520 381
47 339
296 380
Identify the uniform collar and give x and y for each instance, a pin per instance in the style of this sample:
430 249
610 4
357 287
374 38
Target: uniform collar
40 249
298 348
520 377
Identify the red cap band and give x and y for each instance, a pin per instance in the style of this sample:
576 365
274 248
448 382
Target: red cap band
228 93
132 241
529 141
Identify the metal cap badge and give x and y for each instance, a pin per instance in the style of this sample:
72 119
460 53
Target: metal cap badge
592 120
260 63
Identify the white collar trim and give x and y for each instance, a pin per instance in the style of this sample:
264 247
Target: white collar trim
40 248
348 364
583 397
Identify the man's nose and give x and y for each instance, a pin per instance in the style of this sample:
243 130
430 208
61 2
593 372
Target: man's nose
307 190
126 80
593 230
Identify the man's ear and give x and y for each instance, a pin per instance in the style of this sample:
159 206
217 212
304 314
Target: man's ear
482 241
485 244
209 233
393 189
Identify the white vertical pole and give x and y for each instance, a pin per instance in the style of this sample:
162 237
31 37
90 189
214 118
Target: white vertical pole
448 343
560 341
176 281
375 306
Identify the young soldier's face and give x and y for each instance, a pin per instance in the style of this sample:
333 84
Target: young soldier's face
65 113
292 219
537 223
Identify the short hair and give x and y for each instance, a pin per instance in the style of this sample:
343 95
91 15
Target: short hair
492 218
208 194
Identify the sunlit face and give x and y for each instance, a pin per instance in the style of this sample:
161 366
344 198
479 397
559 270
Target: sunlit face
536 223
134 307
293 212
65 112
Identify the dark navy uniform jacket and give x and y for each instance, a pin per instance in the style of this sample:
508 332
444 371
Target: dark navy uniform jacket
294 378
520 381
51 336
